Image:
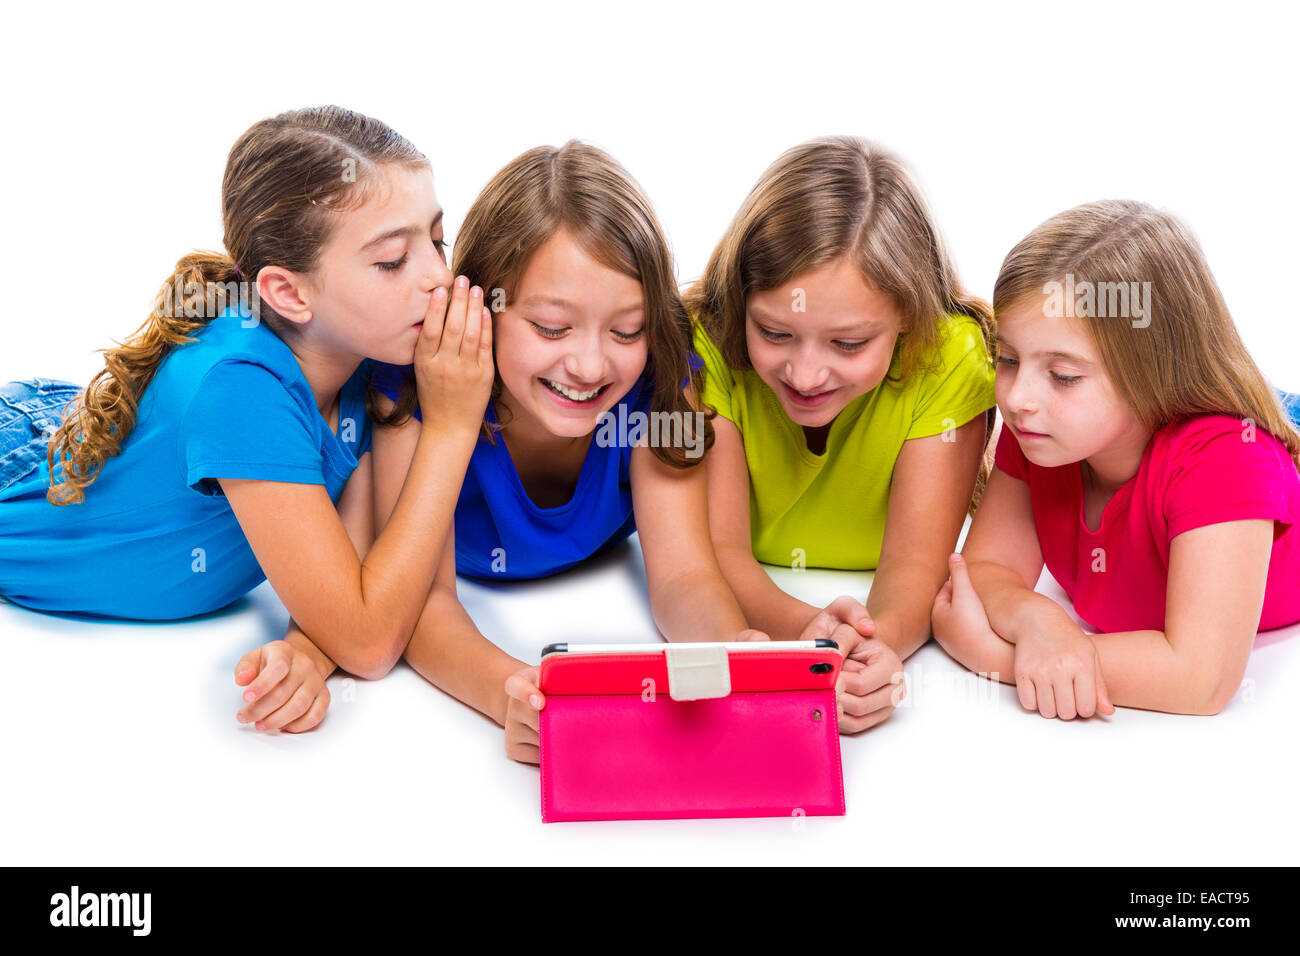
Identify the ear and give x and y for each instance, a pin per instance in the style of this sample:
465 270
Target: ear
286 292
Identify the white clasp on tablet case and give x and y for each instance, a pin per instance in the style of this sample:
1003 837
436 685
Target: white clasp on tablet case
697 673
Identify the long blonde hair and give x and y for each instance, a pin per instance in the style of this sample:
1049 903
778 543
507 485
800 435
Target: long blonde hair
1189 359
284 178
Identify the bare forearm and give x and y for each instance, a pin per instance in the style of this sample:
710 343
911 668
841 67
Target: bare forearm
448 651
764 605
696 605
1013 610
900 601
1142 669
399 568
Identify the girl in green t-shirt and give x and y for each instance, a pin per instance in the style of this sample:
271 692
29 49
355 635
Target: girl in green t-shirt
853 384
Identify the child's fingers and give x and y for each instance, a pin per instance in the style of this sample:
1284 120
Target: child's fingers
881 669
751 634
524 753
269 702
858 680
820 628
247 667
1104 706
301 671
864 705
1063 697
290 710
520 686
1027 692
526 718
959 575
434 317
1046 700
853 613
275 668
453 327
1085 694
485 339
520 734
315 714
473 324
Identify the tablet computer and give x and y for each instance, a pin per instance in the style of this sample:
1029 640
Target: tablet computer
655 731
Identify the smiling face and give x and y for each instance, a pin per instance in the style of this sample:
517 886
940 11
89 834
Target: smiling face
571 343
820 359
1055 395
378 269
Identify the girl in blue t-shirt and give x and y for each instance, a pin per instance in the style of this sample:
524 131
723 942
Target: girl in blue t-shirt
588 435
228 440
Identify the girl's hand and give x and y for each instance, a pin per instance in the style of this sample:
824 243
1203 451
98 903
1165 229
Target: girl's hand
1058 673
749 634
524 703
958 619
285 689
453 358
870 684
844 621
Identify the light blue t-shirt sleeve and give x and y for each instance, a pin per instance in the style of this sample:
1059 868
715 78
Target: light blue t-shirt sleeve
243 423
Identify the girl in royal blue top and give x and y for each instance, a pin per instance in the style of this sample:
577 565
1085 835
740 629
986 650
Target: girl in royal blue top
503 534
228 441
589 433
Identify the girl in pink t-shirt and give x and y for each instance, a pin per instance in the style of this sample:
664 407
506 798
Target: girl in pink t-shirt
1144 460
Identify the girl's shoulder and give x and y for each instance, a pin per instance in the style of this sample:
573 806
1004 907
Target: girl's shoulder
960 339
1223 455
705 348
236 344
952 379
1217 436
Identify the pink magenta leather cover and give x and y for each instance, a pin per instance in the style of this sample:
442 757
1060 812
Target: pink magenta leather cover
610 752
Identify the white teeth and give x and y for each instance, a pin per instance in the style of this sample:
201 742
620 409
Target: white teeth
570 393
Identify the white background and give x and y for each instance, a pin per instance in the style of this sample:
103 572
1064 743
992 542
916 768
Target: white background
119 742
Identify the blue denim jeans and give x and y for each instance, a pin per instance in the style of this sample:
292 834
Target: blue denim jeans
30 412
1291 402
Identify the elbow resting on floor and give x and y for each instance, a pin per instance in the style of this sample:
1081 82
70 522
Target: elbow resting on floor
375 660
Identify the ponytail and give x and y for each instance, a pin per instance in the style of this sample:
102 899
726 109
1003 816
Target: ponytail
99 420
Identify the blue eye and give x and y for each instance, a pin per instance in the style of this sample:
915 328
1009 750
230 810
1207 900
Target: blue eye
394 265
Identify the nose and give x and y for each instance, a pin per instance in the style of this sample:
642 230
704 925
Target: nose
805 372
585 361
437 273
1021 399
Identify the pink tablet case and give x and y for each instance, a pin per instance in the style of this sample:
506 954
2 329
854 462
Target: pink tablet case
611 750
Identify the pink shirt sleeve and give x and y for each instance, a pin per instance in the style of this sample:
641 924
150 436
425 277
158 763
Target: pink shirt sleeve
1009 457
1215 474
